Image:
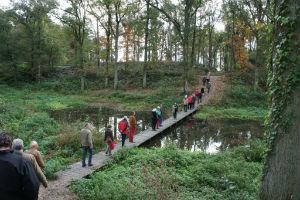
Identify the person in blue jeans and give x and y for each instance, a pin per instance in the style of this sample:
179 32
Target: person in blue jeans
86 138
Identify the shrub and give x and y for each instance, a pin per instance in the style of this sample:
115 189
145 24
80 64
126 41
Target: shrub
173 174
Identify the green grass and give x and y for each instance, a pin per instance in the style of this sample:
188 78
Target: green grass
244 113
171 173
25 114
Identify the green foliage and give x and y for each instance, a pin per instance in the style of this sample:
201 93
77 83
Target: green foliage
174 174
246 113
284 76
54 165
239 93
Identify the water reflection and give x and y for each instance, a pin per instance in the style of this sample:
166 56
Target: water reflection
192 134
209 137
101 117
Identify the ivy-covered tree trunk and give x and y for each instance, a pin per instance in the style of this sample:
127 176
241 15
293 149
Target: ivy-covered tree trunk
281 179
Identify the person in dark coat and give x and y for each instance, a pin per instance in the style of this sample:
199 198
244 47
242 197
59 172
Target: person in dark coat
193 101
202 92
18 180
108 138
175 110
154 119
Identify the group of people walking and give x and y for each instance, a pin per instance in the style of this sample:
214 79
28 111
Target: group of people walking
21 172
127 128
156 117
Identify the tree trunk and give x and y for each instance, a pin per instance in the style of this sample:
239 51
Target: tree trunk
193 54
98 46
82 83
210 51
145 66
186 32
281 179
116 47
108 34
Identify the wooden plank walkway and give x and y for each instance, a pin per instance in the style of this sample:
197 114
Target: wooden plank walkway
58 189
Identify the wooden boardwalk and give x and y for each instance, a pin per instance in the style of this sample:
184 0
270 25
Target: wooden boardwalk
58 189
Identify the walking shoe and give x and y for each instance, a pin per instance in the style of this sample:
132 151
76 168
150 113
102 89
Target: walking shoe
90 165
83 165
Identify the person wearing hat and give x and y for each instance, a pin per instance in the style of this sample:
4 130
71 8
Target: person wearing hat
86 139
123 129
108 138
132 127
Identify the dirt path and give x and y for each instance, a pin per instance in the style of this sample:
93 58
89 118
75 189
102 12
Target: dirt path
59 190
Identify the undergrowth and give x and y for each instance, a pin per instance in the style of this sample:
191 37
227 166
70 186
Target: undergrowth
171 173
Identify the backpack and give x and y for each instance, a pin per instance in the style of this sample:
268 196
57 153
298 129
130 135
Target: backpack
122 126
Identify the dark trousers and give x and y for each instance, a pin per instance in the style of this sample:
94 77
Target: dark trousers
185 107
160 120
175 115
86 149
153 123
123 139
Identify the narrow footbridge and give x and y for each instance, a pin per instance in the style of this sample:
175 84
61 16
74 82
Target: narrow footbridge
58 189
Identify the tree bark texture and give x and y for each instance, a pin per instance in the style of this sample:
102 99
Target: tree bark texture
281 179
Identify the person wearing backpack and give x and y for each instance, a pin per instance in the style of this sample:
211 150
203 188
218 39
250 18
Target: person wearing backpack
153 119
123 126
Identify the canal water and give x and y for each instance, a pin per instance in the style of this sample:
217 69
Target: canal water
209 136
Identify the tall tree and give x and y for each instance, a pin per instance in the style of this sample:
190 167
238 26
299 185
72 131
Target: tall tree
281 178
145 66
75 18
183 29
33 14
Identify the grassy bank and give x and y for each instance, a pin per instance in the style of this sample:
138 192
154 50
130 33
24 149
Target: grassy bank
25 110
244 113
171 173
239 101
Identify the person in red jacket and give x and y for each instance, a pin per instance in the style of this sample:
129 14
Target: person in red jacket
123 129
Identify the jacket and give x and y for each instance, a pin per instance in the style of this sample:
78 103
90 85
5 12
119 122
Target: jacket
38 157
122 126
108 135
132 121
86 138
185 101
31 159
18 181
